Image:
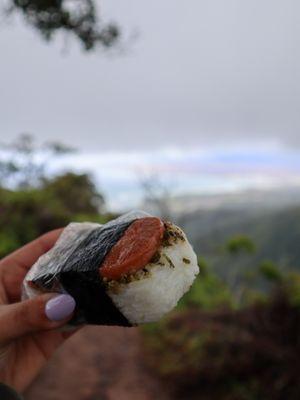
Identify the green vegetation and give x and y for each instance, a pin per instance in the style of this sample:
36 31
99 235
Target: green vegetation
274 233
270 271
27 213
79 20
231 343
32 203
208 291
240 243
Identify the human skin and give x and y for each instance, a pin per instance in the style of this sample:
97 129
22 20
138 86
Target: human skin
28 337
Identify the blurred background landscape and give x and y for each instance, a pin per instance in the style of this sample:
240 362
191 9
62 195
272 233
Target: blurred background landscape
190 112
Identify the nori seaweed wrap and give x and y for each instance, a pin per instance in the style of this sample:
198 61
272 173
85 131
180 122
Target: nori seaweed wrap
72 266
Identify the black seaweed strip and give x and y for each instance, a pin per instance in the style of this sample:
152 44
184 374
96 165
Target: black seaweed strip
79 275
93 303
90 253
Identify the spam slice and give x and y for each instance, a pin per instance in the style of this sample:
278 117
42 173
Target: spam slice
135 249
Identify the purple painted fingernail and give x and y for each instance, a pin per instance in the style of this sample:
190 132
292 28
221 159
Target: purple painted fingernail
60 307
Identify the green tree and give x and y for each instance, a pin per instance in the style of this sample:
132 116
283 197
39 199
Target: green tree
240 244
32 203
269 271
26 214
77 194
24 161
78 18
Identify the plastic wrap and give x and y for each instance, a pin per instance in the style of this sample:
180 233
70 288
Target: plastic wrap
72 266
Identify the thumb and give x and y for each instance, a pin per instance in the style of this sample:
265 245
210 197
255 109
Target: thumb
44 312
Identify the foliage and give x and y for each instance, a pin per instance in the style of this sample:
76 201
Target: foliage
291 284
229 354
270 271
26 214
217 347
32 203
78 18
240 243
77 194
275 234
208 292
24 161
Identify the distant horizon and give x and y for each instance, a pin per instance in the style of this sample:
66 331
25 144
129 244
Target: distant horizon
190 171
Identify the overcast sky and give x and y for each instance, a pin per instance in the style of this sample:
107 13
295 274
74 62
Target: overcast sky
208 95
201 72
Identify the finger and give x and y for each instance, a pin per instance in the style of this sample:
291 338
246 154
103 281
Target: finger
49 341
41 313
13 268
68 334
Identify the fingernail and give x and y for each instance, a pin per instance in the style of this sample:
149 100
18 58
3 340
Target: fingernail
60 307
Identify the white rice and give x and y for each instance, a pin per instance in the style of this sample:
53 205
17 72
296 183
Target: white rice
149 298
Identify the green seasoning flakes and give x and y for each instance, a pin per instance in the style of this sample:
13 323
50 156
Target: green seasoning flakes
186 260
114 286
169 261
172 235
155 258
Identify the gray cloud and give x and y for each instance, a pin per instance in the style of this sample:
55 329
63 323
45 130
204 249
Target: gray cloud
201 71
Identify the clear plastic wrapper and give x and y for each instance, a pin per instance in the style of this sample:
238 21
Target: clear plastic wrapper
72 266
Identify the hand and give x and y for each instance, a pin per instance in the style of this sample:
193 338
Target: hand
27 329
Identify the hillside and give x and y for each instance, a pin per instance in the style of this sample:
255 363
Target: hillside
275 233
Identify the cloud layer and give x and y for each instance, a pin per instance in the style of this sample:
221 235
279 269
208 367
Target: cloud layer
202 72
190 171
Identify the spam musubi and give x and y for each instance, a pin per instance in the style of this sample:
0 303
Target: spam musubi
129 271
